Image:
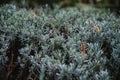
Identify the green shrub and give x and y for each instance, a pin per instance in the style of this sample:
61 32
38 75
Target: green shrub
47 45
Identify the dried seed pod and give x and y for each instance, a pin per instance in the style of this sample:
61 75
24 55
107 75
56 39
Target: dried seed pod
97 29
83 48
35 14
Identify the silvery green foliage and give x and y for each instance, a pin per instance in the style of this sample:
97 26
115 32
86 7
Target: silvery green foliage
56 39
7 11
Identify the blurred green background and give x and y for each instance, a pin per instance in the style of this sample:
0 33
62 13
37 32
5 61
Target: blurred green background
112 4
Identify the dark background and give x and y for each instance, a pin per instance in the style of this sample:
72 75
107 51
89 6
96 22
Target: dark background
112 4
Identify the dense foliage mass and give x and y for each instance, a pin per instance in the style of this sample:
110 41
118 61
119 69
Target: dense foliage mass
59 44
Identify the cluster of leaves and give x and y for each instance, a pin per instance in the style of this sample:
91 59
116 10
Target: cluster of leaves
64 44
